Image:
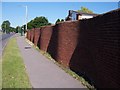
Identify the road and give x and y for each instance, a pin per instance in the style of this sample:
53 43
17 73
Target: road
3 41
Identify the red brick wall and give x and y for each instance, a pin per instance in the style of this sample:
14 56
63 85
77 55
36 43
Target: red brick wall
32 35
45 37
68 33
89 47
28 34
36 36
96 56
53 44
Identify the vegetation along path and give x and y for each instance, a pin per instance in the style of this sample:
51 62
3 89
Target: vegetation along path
13 70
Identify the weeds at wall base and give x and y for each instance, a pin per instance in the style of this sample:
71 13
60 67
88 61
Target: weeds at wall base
66 69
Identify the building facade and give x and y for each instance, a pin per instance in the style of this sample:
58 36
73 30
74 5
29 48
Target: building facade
74 15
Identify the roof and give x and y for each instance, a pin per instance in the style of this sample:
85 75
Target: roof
93 14
99 15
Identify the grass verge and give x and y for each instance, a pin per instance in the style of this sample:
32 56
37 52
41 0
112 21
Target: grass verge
13 70
67 70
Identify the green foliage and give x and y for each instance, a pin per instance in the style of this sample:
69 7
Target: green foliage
13 69
23 28
58 20
12 29
86 10
38 22
17 29
5 26
62 20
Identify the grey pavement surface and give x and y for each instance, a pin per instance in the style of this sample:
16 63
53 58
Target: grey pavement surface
42 72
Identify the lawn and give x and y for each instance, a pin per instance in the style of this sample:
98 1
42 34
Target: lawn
13 70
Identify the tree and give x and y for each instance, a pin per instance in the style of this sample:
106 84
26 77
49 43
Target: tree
86 10
38 22
6 26
62 20
24 28
12 29
58 20
30 25
17 29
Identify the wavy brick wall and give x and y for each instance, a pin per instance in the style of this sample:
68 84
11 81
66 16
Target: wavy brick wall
96 55
45 37
30 32
28 35
32 35
89 47
53 44
36 36
67 38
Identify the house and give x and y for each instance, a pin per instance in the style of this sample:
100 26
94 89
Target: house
75 15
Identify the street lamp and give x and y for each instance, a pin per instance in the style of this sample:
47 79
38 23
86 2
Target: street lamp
26 15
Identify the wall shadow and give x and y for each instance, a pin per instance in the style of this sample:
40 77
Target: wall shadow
53 44
36 35
46 33
39 37
95 57
82 60
33 35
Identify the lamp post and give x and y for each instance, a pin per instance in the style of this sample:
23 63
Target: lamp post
26 8
26 16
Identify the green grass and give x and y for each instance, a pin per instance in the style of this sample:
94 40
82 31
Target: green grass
13 70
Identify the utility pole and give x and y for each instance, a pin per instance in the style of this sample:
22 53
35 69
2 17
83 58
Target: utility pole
26 16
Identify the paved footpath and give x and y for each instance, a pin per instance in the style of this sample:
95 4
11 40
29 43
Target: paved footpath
42 72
